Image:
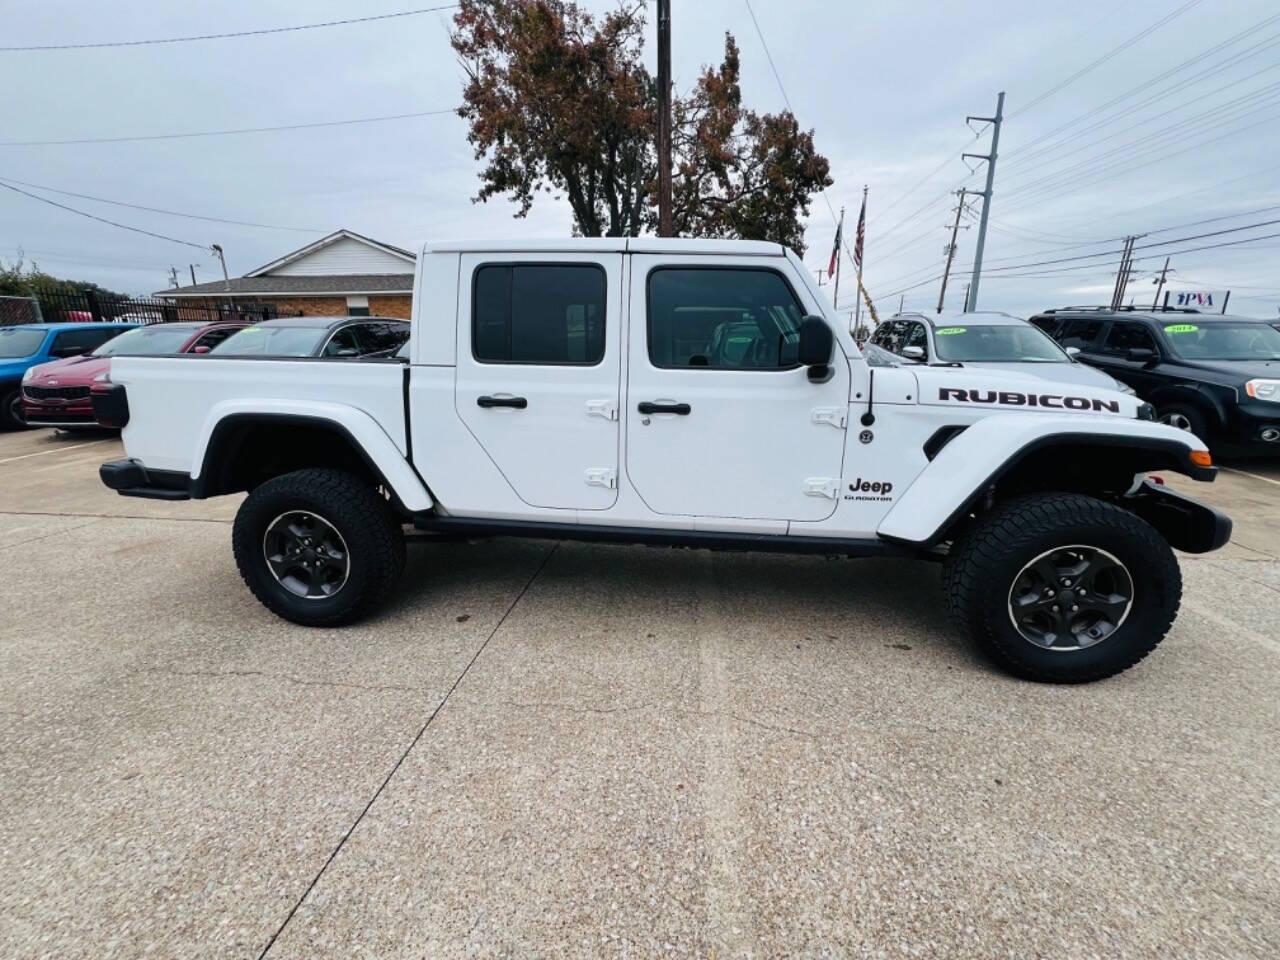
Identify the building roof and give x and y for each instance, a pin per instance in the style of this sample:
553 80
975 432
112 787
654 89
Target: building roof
336 237
332 285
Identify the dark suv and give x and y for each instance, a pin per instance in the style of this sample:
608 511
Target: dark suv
1217 376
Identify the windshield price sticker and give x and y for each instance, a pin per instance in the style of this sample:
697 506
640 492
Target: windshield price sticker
1181 328
948 331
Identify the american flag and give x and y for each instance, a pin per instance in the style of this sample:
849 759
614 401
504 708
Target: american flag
835 249
862 235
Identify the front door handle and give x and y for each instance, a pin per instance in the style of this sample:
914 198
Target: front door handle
648 406
518 402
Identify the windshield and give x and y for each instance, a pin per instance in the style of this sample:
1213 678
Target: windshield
16 342
1224 340
145 341
1002 343
262 341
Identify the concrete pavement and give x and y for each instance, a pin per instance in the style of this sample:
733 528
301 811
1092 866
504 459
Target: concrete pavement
583 751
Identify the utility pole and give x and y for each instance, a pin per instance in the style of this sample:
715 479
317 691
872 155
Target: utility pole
971 301
901 299
666 227
226 282
951 247
1122 275
192 268
835 296
1160 284
173 276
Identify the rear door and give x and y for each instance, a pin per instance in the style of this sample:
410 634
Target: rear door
722 421
538 363
1121 337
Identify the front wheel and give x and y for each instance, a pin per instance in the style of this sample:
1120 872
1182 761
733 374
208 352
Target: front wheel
1063 588
11 417
318 547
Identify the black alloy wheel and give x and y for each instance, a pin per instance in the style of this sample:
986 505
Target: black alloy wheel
306 554
1070 598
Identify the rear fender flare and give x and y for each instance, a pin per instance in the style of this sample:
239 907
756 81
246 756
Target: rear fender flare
380 453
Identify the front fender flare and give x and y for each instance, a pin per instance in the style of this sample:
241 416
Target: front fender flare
368 437
972 461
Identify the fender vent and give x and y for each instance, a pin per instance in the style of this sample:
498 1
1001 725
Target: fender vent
941 437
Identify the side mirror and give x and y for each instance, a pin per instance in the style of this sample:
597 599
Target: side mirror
816 342
347 352
1073 351
1142 355
203 348
913 353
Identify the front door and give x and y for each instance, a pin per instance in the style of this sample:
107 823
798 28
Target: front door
538 373
722 421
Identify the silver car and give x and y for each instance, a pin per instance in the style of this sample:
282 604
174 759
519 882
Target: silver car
985 339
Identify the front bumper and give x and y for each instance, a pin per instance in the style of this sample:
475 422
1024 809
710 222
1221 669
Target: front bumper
1188 525
130 478
38 414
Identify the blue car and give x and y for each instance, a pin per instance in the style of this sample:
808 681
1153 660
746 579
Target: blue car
28 345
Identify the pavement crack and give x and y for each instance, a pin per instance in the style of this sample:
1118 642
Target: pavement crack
412 743
304 681
107 516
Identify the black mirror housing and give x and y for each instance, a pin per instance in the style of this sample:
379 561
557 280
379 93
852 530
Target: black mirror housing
816 342
1142 355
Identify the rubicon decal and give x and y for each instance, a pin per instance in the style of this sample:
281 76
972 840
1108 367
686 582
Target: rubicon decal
1010 398
869 490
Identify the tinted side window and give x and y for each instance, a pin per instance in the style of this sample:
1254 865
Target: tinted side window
723 319
343 343
1079 333
1124 336
214 337
383 337
916 337
74 342
538 313
1047 324
895 334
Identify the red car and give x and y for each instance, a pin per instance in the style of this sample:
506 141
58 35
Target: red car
57 394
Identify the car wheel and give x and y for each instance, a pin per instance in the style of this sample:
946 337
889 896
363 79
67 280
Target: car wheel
318 547
1063 588
1184 417
11 417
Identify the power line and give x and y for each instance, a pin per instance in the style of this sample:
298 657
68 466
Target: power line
171 213
91 216
1152 28
223 133
224 36
1172 71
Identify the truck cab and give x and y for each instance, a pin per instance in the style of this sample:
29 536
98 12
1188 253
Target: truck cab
682 392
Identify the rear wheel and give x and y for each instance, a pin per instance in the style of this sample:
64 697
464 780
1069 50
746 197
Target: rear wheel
318 547
1063 588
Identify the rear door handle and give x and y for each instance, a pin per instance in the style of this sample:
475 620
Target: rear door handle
518 402
648 406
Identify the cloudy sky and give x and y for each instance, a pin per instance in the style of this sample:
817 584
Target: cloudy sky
1176 135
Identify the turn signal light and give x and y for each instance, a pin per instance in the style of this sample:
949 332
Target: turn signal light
1201 458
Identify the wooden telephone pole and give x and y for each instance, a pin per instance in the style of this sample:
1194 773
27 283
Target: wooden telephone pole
666 227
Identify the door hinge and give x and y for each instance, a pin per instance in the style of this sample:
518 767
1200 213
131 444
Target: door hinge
603 408
836 416
602 477
822 487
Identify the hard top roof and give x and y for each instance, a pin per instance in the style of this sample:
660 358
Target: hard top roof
68 325
684 245
324 323
955 318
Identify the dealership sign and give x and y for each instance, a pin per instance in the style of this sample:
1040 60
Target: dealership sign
1202 300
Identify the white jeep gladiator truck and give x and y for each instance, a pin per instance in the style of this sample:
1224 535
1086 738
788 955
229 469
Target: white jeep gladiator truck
684 393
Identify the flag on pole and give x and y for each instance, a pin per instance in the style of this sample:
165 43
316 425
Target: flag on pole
835 250
862 234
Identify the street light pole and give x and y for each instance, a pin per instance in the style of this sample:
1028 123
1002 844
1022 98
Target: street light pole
666 227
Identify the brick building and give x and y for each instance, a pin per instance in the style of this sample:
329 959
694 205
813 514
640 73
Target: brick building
343 274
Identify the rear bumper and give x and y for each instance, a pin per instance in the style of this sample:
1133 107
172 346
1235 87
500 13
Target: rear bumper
129 478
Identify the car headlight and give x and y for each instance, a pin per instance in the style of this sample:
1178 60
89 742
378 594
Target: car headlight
1263 390
1125 388
31 372
103 377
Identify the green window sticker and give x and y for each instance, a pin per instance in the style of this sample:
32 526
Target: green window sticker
948 331
1181 328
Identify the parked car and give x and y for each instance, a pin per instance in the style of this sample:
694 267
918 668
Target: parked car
28 345
1215 376
716 401
318 337
985 339
58 394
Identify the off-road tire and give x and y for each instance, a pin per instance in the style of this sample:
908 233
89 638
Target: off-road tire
366 522
981 568
1187 416
11 410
